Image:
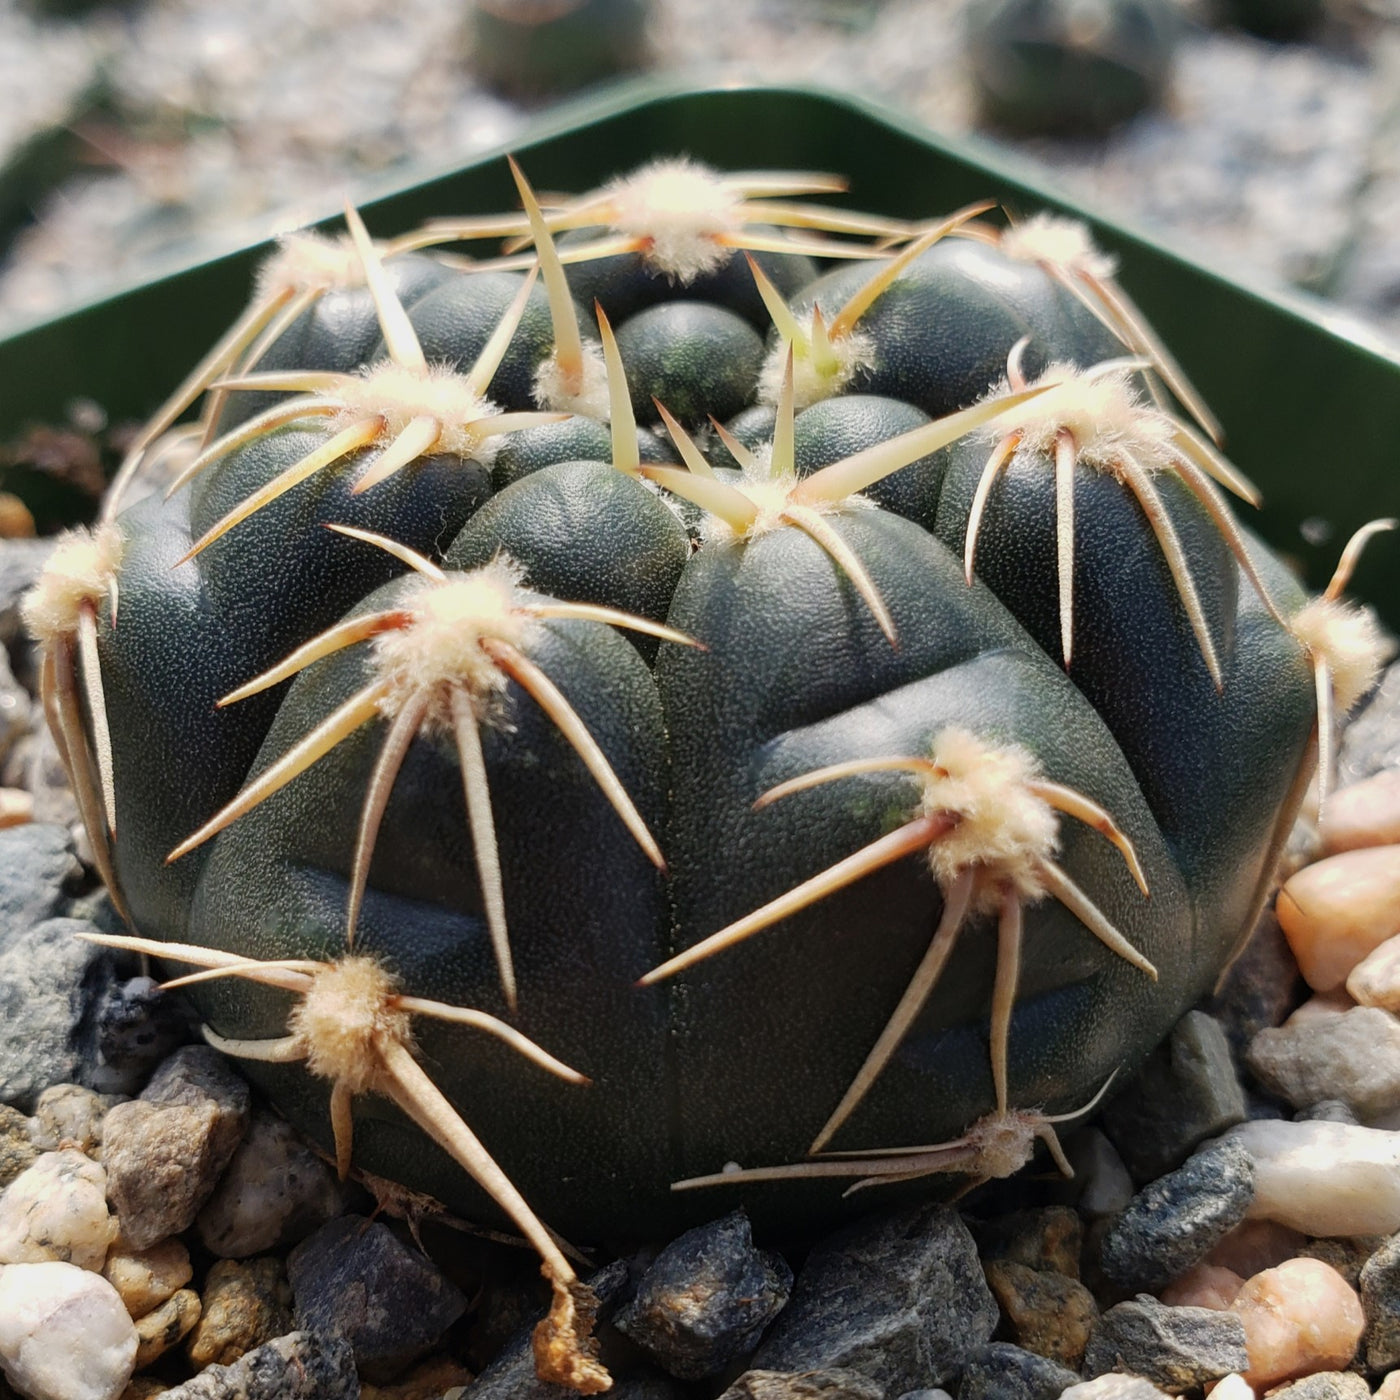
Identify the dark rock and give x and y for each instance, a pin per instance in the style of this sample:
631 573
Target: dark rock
1187 1091
1050 1314
1040 1239
1004 1372
1380 1297
1261 988
38 870
835 1383
1175 1221
138 1025
706 1299
1327 1111
1325 1385
51 985
299 1366
899 1297
1175 1348
356 1279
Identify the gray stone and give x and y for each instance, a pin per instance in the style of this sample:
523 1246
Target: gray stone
1105 1187
706 1299
21 562
1380 1297
165 1151
138 1026
17 1149
1325 1385
16 709
355 1278
1005 1372
1173 1223
51 984
274 1192
1326 1111
1176 1348
1187 1091
1352 1055
46 778
898 1296
37 872
299 1366
1372 739
1261 988
833 1383
70 1115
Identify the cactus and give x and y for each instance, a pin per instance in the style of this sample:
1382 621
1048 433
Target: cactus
558 808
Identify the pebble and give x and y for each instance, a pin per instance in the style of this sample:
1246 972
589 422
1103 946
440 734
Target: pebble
1347 1256
1325 1385
69 1115
1233 1387
1175 1348
1187 1091
1114 1386
1001 1371
355 1278
1379 1284
56 1211
165 1151
246 1303
299 1366
1371 741
1301 1317
707 1299
1173 1223
1052 1238
1323 1052
1390 1387
1048 1313
1106 1186
1364 814
1375 980
897 1296
1261 987
426 1381
1326 1111
138 1026
21 562
50 986
1338 910
64 1334
166 1326
37 870
833 1383
146 1278
274 1192
1256 1245
17 1148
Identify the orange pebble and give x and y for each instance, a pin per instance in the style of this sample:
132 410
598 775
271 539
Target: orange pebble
1335 912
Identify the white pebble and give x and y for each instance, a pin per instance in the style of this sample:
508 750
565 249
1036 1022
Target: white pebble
1324 1178
1233 1387
56 1211
1113 1386
1375 980
64 1333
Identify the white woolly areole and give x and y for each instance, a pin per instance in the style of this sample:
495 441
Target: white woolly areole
1066 243
1004 832
679 207
812 382
1350 639
1004 1142
311 262
591 401
1103 413
398 395
440 649
771 492
347 1012
78 573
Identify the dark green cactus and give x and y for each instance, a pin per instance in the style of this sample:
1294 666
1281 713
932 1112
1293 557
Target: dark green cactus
848 796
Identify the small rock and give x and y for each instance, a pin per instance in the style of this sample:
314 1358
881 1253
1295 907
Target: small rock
1390 1387
138 1026
1324 1052
64 1332
16 718
1338 910
1176 1348
1001 1371
143 1388
57 1212
1298 1318
299 1366
1326 1111
37 870
706 1299
165 1151
1051 1238
246 1303
899 1297
1187 1091
1375 980
21 562
353 1277
1324 1178
166 1326
1380 1297
1363 814
275 1192
1347 1256
54 804
69 1115
17 1149
1233 1387
831 1384
1114 1386
1371 741
1205 1286
1050 1314
1256 1245
426 1381
1261 987
1106 1185
1325 1385
1173 1223
146 1278
50 986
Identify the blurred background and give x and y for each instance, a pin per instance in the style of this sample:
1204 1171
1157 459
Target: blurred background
1261 135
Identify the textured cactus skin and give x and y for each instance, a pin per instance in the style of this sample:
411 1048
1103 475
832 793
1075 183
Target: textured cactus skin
744 1056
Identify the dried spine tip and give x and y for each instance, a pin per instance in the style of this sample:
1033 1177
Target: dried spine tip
77 576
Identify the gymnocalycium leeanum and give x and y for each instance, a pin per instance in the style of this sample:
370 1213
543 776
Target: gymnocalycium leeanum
719 699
